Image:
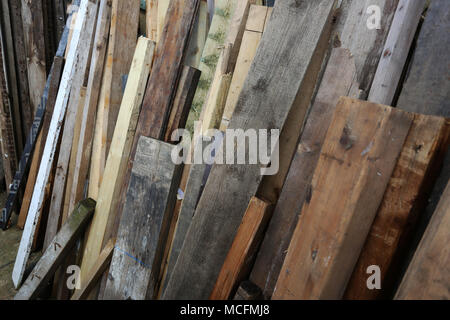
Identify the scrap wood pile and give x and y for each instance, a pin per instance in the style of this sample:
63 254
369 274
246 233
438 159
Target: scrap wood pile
359 205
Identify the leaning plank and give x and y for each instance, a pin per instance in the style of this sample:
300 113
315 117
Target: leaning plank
257 17
152 19
296 188
163 6
8 142
357 159
243 250
163 81
50 146
198 37
216 39
150 197
55 77
96 271
76 83
122 42
33 30
57 251
119 152
273 81
402 201
21 63
83 153
18 182
427 275
396 51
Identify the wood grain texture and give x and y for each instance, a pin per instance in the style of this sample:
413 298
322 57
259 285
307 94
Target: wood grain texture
245 245
76 83
57 251
272 81
39 146
297 186
121 46
357 159
396 51
119 152
83 153
50 146
137 256
403 200
33 30
427 274
163 82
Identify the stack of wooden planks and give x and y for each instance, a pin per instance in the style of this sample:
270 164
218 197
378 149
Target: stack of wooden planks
350 202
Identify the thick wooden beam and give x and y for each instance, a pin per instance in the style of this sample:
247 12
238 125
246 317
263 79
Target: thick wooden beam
51 142
150 198
358 157
403 200
273 80
54 255
427 275
119 153
245 245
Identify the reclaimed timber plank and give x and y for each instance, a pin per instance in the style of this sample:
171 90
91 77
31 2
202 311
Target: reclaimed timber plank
357 159
427 274
50 145
57 251
119 152
137 256
272 81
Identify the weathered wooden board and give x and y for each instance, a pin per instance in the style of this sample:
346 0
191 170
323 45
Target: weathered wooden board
21 64
273 81
163 82
240 258
152 19
77 81
33 30
143 228
198 37
362 44
396 51
83 154
55 77
403 199
358 157
248 291
19 176
50 145
257 18
122 42
96 271
427 275
297 186
57 251
119 152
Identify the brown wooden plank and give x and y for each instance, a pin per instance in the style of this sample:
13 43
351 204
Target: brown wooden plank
273 81
357 159
240 258
403 200
427 275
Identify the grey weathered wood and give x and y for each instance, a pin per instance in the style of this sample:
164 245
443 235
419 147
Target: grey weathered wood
281 67
144 225
396 51
57 251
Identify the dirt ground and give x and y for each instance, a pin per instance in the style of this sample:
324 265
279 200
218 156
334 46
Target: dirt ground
9 243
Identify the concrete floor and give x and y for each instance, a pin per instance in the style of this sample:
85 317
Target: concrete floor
9 243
